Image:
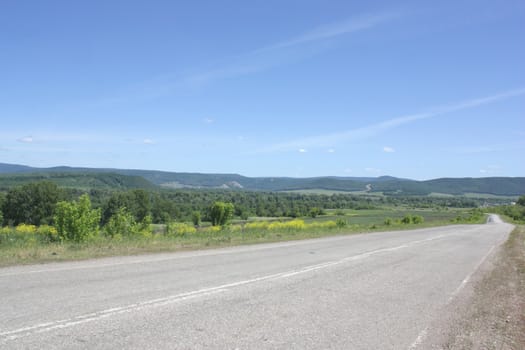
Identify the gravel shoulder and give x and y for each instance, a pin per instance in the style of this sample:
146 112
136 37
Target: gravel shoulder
489 313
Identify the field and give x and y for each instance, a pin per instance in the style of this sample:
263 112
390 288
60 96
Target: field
25 246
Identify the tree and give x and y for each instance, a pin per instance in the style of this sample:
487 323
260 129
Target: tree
76 221
32 204
196 218
221 213
521 201
142 207
121 223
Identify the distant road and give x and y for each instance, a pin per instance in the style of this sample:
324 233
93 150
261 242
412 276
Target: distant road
370 291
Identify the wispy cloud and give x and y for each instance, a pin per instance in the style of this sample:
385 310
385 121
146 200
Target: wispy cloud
302 150
332 30
257 60
329 140
387 149
276 54
26 139
148 142
490 170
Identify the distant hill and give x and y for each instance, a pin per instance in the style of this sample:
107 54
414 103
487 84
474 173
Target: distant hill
135 178
85 181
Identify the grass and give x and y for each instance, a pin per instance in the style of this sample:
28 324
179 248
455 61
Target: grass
14 251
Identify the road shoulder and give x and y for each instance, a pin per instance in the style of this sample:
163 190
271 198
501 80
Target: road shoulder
488 313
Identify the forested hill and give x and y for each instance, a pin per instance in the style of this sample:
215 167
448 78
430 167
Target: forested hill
82 181
11 174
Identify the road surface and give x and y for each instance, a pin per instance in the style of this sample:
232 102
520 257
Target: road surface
370 291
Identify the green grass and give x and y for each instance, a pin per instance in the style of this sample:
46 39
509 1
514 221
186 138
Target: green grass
29 251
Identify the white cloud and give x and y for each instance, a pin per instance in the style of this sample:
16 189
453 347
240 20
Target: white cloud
327 140
26 139
302 150
148 142
490 170
208 120
388 149
331 150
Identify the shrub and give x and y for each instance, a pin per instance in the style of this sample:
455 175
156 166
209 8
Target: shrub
196 218
121 223
221 213
417 219
214 229
76 221
327 225
179 229
257 225
407 219
47 234
25 229
341 223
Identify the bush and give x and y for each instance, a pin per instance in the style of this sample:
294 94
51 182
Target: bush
293 225
407 219
341 223
47 234
417 219
257 225
179 229
196 218
76 221
221 213
25 229
121 223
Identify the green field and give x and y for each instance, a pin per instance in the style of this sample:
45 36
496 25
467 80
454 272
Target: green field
17 247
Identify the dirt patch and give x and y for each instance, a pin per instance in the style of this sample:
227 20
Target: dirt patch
490 314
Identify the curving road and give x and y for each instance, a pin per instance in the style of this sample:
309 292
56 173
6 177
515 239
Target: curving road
370 291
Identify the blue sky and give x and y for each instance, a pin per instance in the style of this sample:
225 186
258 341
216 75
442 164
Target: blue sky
415 89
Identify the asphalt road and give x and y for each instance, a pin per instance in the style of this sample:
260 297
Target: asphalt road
370 291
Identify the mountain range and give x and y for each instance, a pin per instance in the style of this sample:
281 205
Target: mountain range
14 174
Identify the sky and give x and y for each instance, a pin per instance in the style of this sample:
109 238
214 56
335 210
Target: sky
302 88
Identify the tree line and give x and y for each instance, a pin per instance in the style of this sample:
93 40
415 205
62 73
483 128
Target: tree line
36 203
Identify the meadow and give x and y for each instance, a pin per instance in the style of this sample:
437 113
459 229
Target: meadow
26 244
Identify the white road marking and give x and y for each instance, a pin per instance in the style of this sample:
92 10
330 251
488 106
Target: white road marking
179 255
423 334
95 316
469 276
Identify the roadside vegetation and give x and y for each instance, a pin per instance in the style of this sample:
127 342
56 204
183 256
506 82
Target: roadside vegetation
40 222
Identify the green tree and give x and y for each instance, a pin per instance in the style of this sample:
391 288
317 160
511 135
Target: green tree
121 223
521 201
221 213
417 219
142 204
196 218
32 203
76 221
